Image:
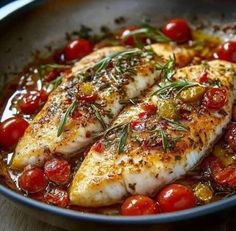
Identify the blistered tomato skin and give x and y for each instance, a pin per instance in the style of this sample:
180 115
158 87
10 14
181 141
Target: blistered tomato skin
175 197
177 30
215 98
11 130
77 49
230 136
227 51
31 101
33 180
139 205
57 170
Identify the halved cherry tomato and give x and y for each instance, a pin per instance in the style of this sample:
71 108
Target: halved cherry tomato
77 49
227 51
176 197
129 40
139 205
225 176
33 180
58 197
230 136
137 125
215 98
31 101
177 30
149 108
98 147
88 98
57 170
11 130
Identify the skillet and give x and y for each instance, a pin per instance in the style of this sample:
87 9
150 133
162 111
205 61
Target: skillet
41 23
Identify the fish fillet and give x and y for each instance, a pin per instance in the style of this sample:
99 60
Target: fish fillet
107 177
41 138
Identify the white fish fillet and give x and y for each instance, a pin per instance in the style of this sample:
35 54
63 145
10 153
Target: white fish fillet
108 177
40 140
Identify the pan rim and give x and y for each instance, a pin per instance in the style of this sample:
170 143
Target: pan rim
76 215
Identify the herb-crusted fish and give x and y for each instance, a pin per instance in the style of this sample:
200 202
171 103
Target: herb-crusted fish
159 139
87 100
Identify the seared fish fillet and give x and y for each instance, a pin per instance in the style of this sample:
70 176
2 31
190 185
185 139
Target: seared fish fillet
142 151
122 77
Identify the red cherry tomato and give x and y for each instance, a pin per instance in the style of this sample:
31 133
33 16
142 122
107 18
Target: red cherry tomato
176 197
139 205
230 136
33 180
129 40
137 125
11 130
77 49
58 197
31 101
149 108
215 98
225 176
227 51
177 30
57 170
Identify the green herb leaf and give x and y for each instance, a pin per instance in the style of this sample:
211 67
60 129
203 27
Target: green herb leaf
165 91
98 116
123 138
177 125
56 82
102 64
164 140
64 118
167 69
149 32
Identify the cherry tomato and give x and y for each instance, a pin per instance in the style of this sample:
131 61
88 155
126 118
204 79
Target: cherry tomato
77 49
58 197
230 136
31 101
225 176
227 51
149 108
177 30
139 205
11 130
33 180
99 147
57 170
215 98
143 115
88 98
129 40
176 197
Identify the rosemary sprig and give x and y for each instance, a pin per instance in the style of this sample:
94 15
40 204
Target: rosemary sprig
98 115
56 82
133 101
42 68
177 125
149 32
164 140
177 85
123 138
102 64
64 118
167 69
